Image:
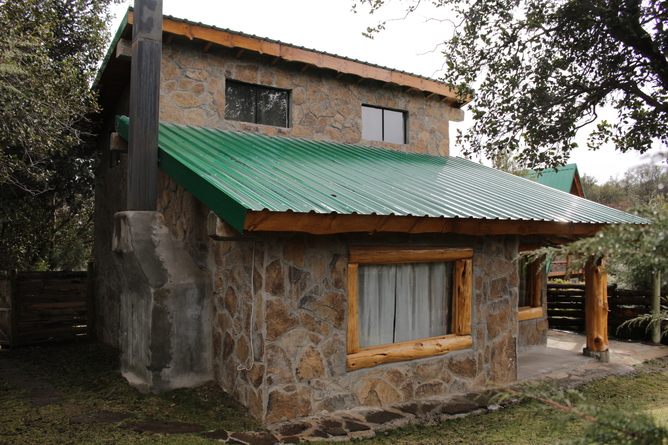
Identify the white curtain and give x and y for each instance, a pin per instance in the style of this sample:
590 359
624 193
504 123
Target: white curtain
402 302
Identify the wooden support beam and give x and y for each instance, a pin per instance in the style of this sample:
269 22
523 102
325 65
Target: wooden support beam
90 300
169 38
396 254
462 297
327 224
536 283
353 330
303 68
274 61
207 47
239 53
596 309
339 75
409 350
14 309
529 313
295 54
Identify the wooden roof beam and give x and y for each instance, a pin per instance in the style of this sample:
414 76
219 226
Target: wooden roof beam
294 54
327 224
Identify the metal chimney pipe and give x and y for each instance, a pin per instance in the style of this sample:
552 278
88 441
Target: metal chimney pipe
144 105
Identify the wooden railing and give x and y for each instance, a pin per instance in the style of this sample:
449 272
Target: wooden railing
565 308
37 307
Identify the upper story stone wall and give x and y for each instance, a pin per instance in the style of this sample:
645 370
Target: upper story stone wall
321 106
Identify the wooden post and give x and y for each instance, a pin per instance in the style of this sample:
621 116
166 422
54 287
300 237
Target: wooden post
462 298
90 300
656 306
14 310
596 310
144 105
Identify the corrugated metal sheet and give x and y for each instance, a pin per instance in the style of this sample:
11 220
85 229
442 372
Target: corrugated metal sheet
560 178
234 172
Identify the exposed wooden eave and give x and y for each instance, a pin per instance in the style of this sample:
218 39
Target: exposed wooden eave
319 224
301 55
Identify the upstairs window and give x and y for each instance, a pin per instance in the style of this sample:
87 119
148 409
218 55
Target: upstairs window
256 104
382 124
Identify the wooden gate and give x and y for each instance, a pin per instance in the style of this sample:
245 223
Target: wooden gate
37 307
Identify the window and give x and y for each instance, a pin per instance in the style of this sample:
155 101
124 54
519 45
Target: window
530 300
256 104
381 124
406 303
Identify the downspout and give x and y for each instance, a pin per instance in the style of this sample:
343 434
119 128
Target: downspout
144 105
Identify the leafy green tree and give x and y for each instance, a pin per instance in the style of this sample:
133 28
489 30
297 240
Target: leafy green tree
542 69
612 193
49 51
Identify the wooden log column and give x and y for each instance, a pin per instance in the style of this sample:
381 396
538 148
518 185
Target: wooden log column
596 310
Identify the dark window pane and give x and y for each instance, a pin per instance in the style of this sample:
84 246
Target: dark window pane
393 126
372 124
272 107
240 102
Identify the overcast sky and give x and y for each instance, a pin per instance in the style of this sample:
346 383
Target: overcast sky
329 25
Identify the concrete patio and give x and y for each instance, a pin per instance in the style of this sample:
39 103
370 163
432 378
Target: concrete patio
564 352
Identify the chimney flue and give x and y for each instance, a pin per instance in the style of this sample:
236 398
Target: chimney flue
144 105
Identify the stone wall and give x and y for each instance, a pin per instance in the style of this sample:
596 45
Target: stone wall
322 107
193 92
280 317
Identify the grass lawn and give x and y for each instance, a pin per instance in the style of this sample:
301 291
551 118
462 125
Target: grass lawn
82 378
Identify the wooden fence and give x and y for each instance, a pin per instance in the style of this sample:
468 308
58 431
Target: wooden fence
565 309
37 307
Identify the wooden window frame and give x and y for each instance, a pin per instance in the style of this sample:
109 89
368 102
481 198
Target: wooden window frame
462 297
535 290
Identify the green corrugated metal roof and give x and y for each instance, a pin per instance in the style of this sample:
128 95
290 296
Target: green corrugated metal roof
234 172
560 178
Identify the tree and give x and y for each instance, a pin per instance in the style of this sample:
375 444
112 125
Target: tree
544 69
49 51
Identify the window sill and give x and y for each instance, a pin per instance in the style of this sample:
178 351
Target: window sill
410 350
529 313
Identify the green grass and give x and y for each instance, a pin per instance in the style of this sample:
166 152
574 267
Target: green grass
87 376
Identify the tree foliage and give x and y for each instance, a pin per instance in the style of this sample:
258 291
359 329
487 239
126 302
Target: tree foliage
639 187
49 51
543 69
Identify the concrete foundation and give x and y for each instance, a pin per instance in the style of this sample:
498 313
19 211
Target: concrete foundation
165 306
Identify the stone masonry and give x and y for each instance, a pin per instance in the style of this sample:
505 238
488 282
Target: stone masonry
322 107
280 314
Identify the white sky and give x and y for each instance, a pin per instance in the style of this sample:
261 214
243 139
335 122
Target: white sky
330 25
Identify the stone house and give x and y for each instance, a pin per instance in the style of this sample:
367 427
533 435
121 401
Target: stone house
313 248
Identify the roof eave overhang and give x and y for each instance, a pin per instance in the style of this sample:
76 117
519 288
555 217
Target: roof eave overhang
327 224
313 58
